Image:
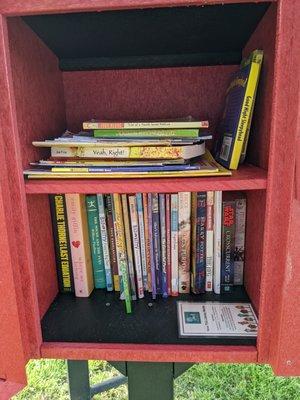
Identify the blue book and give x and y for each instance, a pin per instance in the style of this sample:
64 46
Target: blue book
156 242
183 167
163 243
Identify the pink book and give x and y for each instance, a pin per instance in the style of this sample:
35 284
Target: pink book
80 246
168 239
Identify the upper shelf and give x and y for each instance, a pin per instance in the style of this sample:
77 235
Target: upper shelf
153 37
247 177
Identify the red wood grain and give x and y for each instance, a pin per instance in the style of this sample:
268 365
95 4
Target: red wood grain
137 94
247 177
151 353
10 7
277 268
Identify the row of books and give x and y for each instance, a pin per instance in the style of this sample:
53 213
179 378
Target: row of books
162 243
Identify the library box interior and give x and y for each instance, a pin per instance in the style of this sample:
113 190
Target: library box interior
135 64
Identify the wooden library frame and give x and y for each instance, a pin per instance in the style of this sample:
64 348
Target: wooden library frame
39 100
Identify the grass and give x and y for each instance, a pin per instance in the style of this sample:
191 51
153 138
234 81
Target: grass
47 380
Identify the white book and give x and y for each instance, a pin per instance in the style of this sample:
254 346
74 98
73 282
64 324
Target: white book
104 242
184 241
139 203
174 244
136 245
240 231
209 241
217 241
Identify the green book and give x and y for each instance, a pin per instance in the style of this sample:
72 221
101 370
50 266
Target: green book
147 133
95 241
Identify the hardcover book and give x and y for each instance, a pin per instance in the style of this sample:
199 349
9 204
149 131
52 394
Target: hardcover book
184 237
62 243
80 246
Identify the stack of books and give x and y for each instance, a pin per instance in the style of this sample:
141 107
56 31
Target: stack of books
129 149
161 243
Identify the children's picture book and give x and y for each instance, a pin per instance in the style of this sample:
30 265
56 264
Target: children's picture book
216 319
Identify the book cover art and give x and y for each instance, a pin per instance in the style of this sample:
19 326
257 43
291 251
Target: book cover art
95 241
174 245
240 232
62 243
209 241
184 237
156 243
152 257
163 243
140 211
121 252
112 241
168 239
228 242
105 242
217 241
239 103
147 240
80 245
199 284
136 245
129 246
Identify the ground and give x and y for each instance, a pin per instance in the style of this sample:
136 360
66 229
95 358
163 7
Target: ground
48 381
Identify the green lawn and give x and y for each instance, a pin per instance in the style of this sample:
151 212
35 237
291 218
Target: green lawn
48 381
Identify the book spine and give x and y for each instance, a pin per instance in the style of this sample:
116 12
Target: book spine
200 243
62 243
112 241
152 260
240 231
168 239
184 236
129 246
80 246
121 252
140 211
147 240
193 238
95 242
163 243
138 133
146 125
105 242
228 237
217 241
174 245
209 241
156 243
136 245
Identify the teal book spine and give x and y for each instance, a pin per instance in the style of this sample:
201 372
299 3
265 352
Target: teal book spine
95 241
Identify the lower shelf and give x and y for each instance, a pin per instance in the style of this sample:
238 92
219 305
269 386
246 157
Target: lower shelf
101 318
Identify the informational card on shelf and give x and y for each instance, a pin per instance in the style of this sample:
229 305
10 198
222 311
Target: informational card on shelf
216 319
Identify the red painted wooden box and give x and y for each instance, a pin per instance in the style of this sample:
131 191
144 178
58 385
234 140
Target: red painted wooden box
40 98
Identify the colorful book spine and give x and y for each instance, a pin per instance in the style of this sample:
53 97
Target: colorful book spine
209 241
174 245
129 246
168 239
217 241
136 245
163 243
146 133
140 211
184 236
156 243
95 241
152 258
240 232
105 242
62 243
112 241
80 246
121 252
228 241
200 243
147 240
144 124
193 239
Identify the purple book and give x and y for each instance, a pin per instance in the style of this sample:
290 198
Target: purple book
152 263
163 244
156 242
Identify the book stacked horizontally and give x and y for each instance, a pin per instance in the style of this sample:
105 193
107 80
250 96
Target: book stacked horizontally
129 149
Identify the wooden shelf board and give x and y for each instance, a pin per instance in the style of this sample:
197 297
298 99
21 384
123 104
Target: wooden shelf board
246 178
